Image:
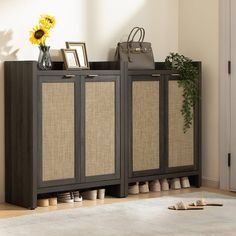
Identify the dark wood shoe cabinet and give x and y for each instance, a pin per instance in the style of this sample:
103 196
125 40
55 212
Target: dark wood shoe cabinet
103 127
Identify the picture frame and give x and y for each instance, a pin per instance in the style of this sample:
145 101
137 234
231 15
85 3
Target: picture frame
80 47
70 58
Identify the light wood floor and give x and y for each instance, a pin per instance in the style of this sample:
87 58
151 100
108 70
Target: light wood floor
8 210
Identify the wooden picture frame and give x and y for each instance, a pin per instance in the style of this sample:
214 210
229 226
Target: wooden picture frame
71 59
80 47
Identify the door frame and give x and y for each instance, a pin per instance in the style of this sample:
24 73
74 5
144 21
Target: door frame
224 91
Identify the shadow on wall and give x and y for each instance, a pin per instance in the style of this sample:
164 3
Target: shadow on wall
7 53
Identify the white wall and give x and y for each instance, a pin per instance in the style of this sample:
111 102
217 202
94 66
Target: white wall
100 23
199 39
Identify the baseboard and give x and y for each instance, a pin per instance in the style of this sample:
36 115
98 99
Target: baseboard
206 182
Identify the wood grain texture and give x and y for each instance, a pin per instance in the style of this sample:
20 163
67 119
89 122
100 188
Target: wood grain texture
20 135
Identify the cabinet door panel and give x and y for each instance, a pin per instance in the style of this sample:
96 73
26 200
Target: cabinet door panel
100 128
181 145
58 131
145 125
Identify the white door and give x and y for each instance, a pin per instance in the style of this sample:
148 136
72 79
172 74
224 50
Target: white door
232 169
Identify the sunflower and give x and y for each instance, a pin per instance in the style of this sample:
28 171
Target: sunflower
39 35
47 21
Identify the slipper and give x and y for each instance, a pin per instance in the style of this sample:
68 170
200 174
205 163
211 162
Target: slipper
182 206
203 202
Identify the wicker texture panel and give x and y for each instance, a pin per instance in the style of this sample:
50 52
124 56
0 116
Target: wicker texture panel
145 125
100 128
58 131
180 143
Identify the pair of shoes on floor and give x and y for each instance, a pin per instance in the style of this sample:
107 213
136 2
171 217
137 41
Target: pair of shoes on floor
69 197
136 188
178 183
198 205
94 194
45 202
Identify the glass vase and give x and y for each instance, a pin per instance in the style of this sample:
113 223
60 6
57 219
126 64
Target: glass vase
44 60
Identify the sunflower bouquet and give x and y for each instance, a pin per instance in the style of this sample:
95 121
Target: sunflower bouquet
40 32
38 36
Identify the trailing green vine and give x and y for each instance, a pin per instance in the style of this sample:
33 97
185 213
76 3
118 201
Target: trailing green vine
188 81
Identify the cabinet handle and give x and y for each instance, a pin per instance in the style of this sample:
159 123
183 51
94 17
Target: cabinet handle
175 74
91 76
68 76
156 75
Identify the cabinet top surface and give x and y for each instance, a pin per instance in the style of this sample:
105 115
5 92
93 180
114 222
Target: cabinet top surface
101 67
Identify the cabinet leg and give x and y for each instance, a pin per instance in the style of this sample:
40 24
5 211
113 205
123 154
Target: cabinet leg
116 191
196 181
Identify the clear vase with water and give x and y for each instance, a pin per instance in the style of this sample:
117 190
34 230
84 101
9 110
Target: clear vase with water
44 60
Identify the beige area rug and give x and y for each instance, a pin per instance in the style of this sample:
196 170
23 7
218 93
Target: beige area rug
149 217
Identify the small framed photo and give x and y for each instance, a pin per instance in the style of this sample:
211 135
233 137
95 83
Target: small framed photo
80 47
70 58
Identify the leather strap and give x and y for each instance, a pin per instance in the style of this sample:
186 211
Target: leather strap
131 32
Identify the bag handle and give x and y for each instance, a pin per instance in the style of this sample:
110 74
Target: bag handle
130 40
143 34
140 37
131 32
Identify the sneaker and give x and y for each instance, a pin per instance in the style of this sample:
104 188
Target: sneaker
143 187
175 183
164 185
185 182
65 197
90 195
77 196
133 188
155 186
101 193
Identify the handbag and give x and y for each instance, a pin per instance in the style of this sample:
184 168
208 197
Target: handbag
138 54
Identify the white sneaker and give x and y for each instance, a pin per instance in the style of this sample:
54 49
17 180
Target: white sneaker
164 185
65 197
133 188
143 187
175 183
90 195
185 182
77 196
155 186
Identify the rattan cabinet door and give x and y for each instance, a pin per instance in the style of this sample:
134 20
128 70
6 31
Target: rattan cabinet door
57 132
101 128
144 126
180 144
